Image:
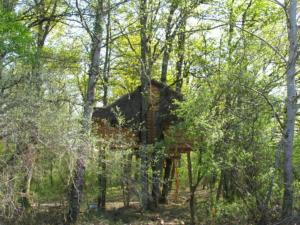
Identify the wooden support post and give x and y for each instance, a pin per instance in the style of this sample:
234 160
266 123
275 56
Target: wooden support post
172 176
176 175
192 189
102 179
166 183
127 179
176 180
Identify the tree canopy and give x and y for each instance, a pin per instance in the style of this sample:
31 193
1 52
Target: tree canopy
231 67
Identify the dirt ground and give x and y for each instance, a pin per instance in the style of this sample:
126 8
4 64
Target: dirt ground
174 213
171 214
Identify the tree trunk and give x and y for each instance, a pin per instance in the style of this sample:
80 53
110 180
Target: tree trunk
25 195
127 180
145 84
219 190
78 180
168 44
176 192
173 168
192 190
165 189
288 137
265 204
102 180
156 171
76 191
106 68
181 50
106 74
28 159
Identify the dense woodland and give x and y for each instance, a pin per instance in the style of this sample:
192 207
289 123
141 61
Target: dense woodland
232 69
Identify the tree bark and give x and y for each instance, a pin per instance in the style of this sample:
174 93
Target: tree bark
181 50
173 168
145 84
94 68
127 180
192 190
76 191
106 74
102 180
168 43
29 161
78 179
165 188
288 136
156 171
106 68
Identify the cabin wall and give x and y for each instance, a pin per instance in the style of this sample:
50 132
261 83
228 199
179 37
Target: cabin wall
153 111
117 138
158 119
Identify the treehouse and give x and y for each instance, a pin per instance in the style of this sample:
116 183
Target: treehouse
120 122
119 128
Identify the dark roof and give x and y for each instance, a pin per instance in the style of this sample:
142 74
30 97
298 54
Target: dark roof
129 106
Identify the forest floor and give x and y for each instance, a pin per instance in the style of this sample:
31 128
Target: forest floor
170 214
173 213
176 212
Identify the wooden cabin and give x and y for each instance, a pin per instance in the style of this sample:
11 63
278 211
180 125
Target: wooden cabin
120 121
119 126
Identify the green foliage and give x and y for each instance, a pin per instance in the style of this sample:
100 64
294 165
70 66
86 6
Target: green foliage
233 98
16 39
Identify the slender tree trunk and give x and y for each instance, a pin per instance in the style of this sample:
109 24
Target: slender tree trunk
165 188
76 191
181 50
106 74
2 56
102 180
168 44
94 68
106 68
78 179
127 180
51 172
29 160
265 202
288 138
173 168
145 84
219 190
164 72
176 192
156 171
192 190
